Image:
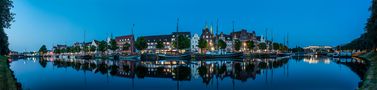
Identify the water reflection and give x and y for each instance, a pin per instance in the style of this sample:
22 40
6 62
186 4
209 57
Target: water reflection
357 65
208 71
174 69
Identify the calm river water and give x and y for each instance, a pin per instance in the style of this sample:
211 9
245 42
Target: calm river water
290 73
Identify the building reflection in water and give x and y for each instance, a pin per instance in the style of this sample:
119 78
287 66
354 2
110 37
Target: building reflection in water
178 70
183 70
357 65
316 60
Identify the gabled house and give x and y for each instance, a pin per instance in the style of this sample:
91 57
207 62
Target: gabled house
95 43
207 34
244 36
194 43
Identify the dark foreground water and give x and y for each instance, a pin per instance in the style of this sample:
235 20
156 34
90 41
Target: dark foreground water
292 73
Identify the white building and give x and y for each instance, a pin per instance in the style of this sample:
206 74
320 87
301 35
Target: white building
317 48
261 39
94 43
194 43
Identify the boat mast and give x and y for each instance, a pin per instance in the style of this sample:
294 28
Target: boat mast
83 43
287 41
132 29
233 36
84 36
217 33
217 27
284 39
132 35
267 38
272 40
176 36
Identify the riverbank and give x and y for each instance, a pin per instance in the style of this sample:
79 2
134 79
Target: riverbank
370 82
7 79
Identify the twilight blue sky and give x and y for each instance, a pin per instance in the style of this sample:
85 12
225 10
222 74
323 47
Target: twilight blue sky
308 22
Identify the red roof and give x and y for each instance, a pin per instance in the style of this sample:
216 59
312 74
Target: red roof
123 37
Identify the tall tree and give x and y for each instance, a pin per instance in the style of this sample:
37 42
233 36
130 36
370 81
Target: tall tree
160 45
113 45
237 45
69 49
77 49
276 46
202 44
368 40
126 47
297 49
102 46
57 51
86 49
371 26
43 49
93 48
6 18
221 44
183 42
263 46
63 50
141 44
250 45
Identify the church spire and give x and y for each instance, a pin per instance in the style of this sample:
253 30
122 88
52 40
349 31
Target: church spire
132 29
177 24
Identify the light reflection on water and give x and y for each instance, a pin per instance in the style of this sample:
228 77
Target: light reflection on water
310 72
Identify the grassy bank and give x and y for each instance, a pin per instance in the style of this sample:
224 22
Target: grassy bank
370 82
7 79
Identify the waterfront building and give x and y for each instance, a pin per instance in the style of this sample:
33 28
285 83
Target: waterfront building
167 40
317 48
207 34
261 39
194 43
228 40
245 36
109 38
152 41
77 44
60 47
94 43
127 39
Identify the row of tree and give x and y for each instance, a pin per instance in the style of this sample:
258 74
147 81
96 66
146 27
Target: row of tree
6 18
102 47
368 40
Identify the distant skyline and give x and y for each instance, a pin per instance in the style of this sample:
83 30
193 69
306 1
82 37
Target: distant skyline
308 22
